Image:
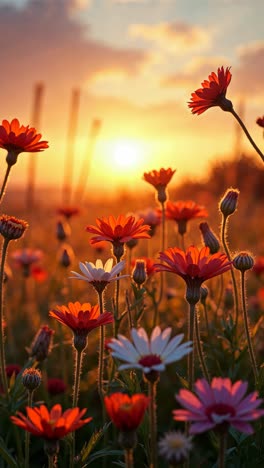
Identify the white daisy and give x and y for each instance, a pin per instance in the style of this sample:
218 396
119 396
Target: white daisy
149 354
175 447
98 272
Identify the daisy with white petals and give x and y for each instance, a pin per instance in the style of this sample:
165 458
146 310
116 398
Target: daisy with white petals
99 275
149 354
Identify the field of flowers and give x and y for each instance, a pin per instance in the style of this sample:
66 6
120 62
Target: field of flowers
131 333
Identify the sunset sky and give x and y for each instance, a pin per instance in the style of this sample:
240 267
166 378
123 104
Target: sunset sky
136 63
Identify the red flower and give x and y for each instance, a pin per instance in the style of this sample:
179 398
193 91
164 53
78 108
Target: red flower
212 93
260 121
12 369
56 386
126 412
17 138
53 424
193 266
39 273
68 211
81 318
159 178
258 267
183 211
118 230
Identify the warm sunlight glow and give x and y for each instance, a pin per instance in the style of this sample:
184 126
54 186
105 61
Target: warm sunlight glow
127 153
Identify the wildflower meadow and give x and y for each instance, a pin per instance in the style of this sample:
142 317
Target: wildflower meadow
131 332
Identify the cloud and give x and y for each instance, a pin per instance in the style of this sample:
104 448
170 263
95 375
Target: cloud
250 70
173 36
44 42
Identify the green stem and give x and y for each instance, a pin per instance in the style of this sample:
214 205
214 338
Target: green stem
190 362
223 237
27 436
206 319
247 327
222 450
5 181
200 350
77 377
2 348
76 387
152 390
129 458
101 353
242 125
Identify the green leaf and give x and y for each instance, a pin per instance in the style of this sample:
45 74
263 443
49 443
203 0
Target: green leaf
4 453
103 453
94 439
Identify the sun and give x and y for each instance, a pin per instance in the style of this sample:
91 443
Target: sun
127 154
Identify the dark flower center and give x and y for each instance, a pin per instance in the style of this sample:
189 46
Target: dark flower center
150 360
219 413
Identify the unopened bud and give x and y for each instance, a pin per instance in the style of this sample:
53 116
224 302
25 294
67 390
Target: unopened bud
63 230
12 228
204 293
228 204
209 238
66 256
139 273
132 243
42 343
31 379
243 261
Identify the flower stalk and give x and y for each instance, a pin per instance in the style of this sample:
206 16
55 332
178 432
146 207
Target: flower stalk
222 450
190 362
247 327
129 459
5 182
242 125
2 348
200 349
152 390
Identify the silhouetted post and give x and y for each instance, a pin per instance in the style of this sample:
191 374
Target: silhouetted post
85 168
69 156
32 160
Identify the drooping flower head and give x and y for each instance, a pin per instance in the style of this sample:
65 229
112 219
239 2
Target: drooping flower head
175 447
219 405
212 93
53 424
81 319
151 355
194 266
126 412
99 275
159 180
183 211
16 139
118 231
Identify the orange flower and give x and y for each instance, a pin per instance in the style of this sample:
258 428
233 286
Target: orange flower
159 178
16 138
53 424
183 211
212 93
260 121
81 318
193 266
126 412
121 229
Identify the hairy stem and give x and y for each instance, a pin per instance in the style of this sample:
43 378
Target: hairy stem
200 350
152 390
190 362
27 435
242 125
222 450
2 348
5 182
129 458
247 327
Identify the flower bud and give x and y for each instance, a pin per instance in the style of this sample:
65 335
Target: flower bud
132 243
243 261
42 343
63 230
139 273
228 204
66 256
12 228
31 379
204 293
209 238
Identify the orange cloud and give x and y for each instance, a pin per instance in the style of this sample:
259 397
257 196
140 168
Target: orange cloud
172 36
